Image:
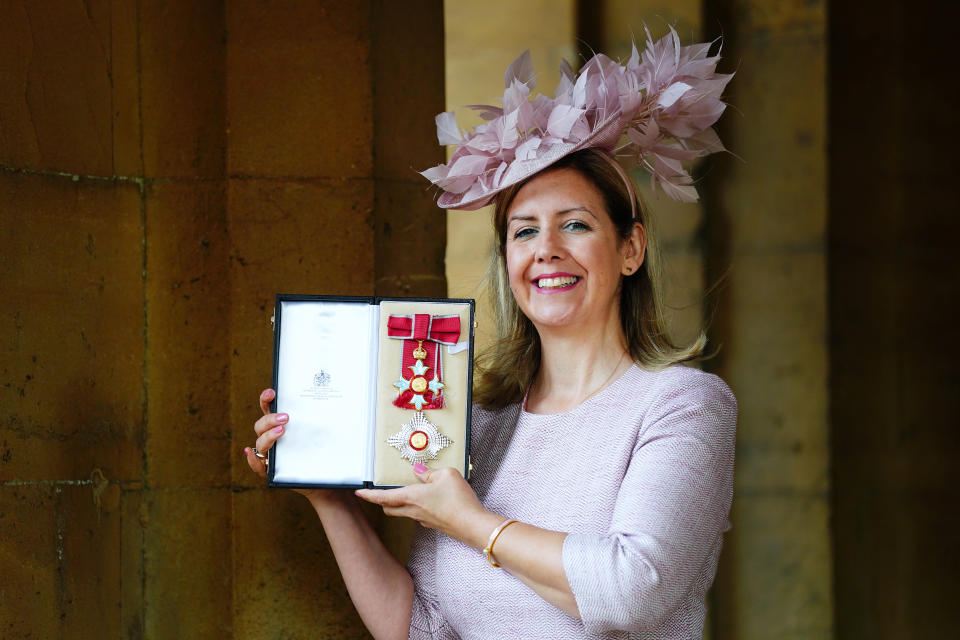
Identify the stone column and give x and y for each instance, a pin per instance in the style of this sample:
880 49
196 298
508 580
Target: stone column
481 43
894 303
766 218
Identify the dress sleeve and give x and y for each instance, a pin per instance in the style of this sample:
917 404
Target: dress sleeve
426 620
669 515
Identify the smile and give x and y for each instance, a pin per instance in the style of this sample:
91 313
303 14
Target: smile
558 282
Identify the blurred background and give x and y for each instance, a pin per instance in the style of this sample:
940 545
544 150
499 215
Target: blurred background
167 167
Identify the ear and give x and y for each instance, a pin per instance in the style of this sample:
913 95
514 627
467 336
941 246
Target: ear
633 250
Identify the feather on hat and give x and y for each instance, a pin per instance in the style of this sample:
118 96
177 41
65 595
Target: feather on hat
661 103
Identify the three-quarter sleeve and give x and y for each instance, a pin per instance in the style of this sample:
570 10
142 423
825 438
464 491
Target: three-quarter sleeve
426 620
669 514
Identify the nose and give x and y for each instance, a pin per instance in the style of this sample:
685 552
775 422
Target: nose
549 246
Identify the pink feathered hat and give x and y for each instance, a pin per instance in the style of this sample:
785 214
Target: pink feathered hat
661 104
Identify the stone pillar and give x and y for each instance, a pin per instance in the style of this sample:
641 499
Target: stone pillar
481 43
766 218
894 296
677 226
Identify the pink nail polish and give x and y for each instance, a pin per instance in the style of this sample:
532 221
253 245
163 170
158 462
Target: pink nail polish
278 429
282 417
419 468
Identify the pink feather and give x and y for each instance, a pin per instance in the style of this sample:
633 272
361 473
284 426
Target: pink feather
662 103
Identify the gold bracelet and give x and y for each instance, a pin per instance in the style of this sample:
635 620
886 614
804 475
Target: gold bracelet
488 550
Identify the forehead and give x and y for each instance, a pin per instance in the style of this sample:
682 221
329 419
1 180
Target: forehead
554 191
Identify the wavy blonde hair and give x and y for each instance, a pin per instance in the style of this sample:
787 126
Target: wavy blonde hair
507 369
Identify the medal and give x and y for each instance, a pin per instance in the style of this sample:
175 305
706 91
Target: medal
420 386
419 440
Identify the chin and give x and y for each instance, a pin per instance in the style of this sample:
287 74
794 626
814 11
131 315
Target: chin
552 320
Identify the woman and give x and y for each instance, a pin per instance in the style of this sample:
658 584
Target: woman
602 468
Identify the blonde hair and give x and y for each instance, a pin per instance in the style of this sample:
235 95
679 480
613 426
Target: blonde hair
506 370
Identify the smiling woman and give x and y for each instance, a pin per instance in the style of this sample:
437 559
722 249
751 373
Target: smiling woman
615 213
602 470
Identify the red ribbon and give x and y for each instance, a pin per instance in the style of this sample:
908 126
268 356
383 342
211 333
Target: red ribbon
433 331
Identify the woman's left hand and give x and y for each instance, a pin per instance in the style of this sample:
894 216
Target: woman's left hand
443 500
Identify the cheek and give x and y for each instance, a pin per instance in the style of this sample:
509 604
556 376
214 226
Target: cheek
514 264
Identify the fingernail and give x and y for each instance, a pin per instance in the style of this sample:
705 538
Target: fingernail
419 468
282 417
246 450
278 429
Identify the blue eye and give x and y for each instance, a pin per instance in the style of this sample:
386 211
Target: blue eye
523 233
577 226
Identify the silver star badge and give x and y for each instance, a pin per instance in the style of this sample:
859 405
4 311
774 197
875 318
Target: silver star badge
419 440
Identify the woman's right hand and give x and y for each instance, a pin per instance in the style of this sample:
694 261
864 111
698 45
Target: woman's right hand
269 428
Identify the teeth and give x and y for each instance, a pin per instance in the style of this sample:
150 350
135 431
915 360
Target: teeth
554 283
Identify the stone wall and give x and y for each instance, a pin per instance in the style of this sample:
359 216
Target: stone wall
165 169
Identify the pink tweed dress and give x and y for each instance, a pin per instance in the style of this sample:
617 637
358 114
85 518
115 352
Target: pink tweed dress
640 476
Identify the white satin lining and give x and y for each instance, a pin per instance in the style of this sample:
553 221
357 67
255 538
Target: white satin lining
327 439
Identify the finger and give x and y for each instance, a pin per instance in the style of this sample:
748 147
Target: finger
267 438
257 465
399 512
422 472
266 397
384 497
270 421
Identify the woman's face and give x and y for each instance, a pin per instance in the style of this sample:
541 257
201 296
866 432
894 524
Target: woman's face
564 257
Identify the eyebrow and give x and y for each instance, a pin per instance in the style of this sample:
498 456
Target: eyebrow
558 213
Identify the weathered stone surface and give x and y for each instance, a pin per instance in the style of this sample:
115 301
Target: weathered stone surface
284 572
298 89
29 557
683 288
188 563
773 203
766 222
626 19
183 103
124 45
71 373
287 237
894 302
56 97
775 554
409 248
132 609
89 574
138 332
403 103
188 302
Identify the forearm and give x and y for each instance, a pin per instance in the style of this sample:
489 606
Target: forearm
380 587
533 555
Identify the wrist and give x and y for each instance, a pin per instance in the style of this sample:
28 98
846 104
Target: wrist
329 499
483 526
